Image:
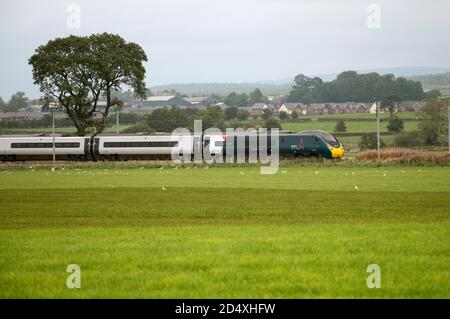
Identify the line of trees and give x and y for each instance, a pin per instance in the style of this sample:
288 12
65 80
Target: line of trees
351 86
17 101
244 99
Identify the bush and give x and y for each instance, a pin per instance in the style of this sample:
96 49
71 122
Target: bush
283 115
395 124
294 115
242 115
231 112
369 142
272 123
410 139
266 114
340 126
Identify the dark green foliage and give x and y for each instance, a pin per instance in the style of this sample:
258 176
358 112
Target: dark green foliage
433 94
242 115
166 120
17 101
369 142
283 115
78 71
266 114
340 126
434 124
395 124
257 97
350 86
294 115
212 117
408 139
272 123
391 102
234 99
231 113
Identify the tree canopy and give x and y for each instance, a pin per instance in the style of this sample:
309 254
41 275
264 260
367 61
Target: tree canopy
79 71
17 101
234 99
351 86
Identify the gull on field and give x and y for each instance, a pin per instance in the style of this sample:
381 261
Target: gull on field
164 189
356 187
317 172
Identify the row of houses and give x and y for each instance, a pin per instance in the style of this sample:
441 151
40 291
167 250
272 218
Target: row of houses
327 108
155 102
33 111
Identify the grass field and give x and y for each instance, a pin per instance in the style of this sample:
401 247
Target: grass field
225 232
351 126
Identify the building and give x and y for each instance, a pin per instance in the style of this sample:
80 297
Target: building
360 108
202 100
162 100
293 107
257 109
410 106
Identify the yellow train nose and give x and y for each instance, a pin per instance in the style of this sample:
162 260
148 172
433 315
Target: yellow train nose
337 152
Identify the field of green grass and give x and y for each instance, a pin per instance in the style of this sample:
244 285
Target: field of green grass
351 126
225 232
385 115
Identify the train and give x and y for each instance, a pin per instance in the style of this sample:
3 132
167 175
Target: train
158 146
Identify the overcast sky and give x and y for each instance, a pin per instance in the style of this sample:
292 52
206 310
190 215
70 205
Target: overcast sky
234 40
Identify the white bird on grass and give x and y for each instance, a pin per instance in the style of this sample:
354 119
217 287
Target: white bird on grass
356 187
164 189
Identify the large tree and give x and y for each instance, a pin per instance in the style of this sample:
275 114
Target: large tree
17 101
434 124
78 72
256 96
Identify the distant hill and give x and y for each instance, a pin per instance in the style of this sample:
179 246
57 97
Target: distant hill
283 86
433 80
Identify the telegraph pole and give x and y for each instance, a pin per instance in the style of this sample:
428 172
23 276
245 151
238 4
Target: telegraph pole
449 128
117 121
53 136
378 131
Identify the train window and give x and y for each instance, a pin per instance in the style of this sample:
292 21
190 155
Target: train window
140 144
45 145
315 140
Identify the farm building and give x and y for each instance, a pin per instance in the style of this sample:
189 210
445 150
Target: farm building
201 100
163 100
290 108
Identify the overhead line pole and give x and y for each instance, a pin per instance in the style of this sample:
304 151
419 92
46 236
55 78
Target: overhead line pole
378 131
449 128
53 137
